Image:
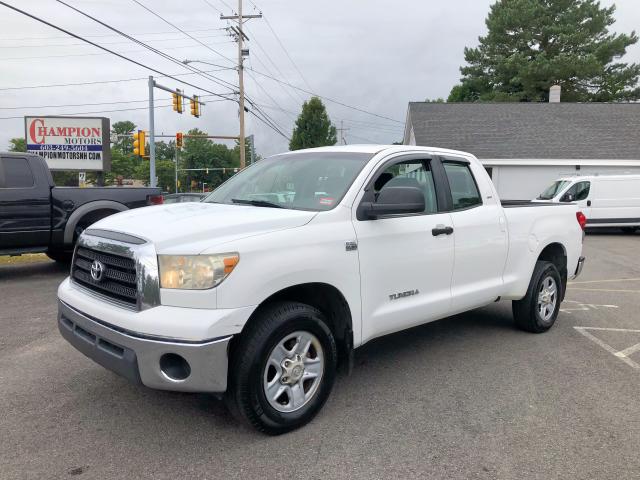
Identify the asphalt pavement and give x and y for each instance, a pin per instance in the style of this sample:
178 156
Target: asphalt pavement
465 397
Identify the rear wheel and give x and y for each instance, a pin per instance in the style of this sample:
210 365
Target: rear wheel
282 368
538 310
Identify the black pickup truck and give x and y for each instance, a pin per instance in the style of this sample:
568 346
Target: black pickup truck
37 216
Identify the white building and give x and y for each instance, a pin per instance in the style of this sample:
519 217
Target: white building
525 146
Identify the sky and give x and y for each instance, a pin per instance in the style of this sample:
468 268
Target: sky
360 56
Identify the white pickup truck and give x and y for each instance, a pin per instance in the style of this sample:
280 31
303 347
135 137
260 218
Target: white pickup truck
265 288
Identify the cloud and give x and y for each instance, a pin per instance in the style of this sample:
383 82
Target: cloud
374 55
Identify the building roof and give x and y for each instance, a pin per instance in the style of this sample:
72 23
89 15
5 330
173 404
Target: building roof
529 130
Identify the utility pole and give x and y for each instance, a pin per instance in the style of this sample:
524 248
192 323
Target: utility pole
342 130
240 37
252 149
176 179
152 138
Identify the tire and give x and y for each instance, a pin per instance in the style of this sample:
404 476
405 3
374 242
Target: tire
630 230
60 256
533 313
254 372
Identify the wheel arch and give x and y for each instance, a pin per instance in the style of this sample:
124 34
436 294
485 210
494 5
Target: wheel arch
556 253
88 209
330 301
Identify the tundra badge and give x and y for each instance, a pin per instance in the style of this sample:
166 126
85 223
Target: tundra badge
408 293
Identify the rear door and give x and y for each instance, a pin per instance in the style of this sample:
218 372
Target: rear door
24 206
405 268
480 235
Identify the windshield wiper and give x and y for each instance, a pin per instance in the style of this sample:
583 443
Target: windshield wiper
256 203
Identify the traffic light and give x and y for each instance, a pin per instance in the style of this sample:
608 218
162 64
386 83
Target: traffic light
139 142
179 140
177 101
195 106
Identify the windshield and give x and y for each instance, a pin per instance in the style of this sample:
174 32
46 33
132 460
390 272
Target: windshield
301 181
554 189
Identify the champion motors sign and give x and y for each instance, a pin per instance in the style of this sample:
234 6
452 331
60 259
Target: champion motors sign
70 143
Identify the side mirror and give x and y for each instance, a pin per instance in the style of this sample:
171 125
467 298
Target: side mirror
395 201
567 197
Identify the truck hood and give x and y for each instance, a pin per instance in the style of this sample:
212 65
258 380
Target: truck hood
190 228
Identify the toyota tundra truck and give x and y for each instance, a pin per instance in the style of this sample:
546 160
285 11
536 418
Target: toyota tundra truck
263 290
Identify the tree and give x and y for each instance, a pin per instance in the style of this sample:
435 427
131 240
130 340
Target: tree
18 145
124 130
534 44
313 127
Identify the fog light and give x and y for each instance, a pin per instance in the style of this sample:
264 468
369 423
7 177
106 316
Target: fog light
174 366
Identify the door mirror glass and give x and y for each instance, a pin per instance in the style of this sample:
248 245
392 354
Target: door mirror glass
396 201
567 197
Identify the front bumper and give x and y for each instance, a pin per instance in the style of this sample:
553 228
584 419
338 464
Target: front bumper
154 362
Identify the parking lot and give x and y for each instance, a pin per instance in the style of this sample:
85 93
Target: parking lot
465 397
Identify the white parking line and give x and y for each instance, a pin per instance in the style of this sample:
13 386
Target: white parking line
602 290
609 280
622 354
584 307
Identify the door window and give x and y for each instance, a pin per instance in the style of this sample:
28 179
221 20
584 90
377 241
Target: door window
17 173
410 173
579 191
464 191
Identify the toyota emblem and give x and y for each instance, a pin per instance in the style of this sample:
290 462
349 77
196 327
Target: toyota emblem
97 270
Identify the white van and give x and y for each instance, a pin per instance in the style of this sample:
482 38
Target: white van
606 200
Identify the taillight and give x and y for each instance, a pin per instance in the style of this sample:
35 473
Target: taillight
155 199
582 220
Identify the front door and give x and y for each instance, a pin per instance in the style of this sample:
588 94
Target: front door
405 265
24 208
580 193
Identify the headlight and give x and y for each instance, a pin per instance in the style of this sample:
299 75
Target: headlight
195 272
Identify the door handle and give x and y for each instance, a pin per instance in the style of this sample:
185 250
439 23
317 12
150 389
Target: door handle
588 203
441 230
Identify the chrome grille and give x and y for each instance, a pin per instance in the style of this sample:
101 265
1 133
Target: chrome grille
118 277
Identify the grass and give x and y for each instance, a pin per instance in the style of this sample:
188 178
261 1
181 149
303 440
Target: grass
26 258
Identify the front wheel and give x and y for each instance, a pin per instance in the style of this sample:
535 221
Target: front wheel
282 368
538 310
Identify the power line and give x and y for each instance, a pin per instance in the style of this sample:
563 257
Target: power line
326 98
98 82
95 104
108 34
106 43
287 53
274 66
181 30
214 7
368 125
91 54
90 104
106 49
214 79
